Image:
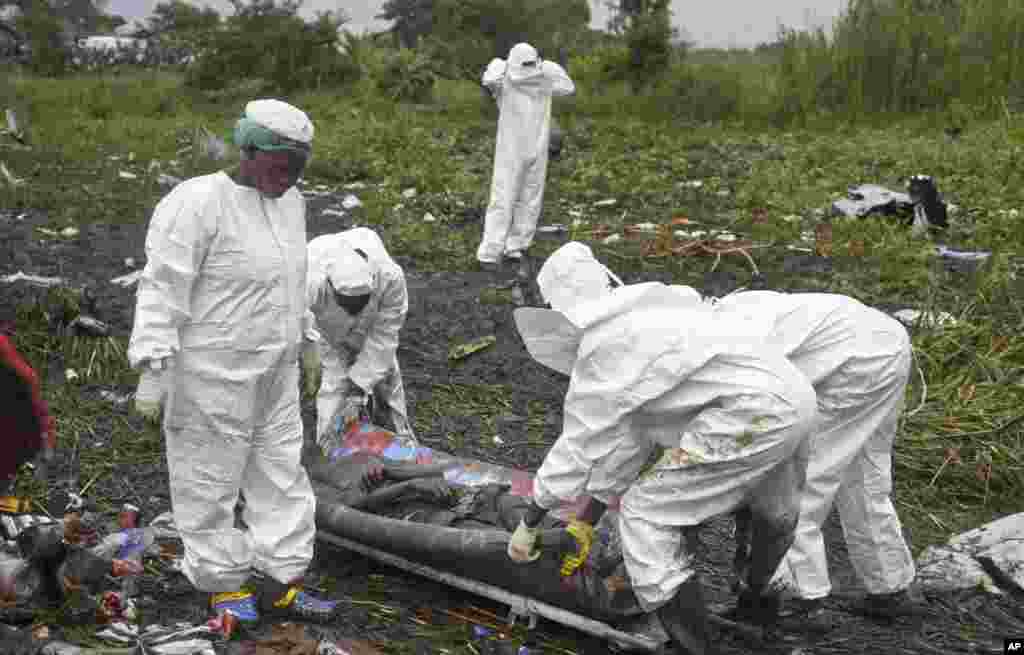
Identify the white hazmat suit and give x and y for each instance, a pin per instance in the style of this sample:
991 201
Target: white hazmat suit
360 349
222 301
646 371
858 360
523 92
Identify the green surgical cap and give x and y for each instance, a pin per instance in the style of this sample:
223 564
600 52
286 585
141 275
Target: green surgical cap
250 134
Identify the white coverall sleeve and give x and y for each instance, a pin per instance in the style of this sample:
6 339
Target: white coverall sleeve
315 281
561 83
378 354
175 248
495 74
595 448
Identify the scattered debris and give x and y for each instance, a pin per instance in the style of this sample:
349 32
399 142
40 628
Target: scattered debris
923 201
872 199
208 144
69 232
355 186
963 255
350 202
127 280
913 317
34 280
464 350
606 203
9 177
116 398
86 326
70 374
13 129
557 228
330 211
126 175
692 184
167 181
409 193
179 639
612 238
990 557
429 218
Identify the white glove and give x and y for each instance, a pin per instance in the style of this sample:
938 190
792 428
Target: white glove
152 390
523 546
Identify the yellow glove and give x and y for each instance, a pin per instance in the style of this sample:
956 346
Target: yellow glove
311 367
584 535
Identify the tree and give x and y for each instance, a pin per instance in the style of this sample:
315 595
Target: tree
649 34
411 20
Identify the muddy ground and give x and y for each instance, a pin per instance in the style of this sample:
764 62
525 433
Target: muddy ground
445 308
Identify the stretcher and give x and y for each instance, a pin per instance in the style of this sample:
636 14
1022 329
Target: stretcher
597 599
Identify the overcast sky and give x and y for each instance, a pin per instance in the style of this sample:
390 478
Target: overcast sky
716 23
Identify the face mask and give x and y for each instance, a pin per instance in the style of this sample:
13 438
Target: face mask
352 304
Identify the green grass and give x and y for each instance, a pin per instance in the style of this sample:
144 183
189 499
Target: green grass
641 161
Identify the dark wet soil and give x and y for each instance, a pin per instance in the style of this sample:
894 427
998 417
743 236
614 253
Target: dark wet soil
445 308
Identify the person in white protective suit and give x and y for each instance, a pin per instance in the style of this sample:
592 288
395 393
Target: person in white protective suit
647 371
217 335
858 359
358 302
523 87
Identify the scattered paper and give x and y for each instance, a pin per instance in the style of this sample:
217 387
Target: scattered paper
330 211
408 194
606 203
429 218
125 175
351 202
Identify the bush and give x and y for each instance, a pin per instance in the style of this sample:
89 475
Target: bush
407 76
272 42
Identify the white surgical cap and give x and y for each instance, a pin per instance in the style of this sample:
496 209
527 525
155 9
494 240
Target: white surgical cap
572 275
281 118
349 272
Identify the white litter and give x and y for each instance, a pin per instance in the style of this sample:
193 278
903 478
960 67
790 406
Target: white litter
127 280
166 180
551 229
723 193
612 238
9 177
125 175
606 203
399 207
429 218
36 280
70 374
693 184
683 234
408 194
69 232
330 211
646 227
930 319
791 218
351 202
115 398
129 262
575 213
498 440
726 236
356 186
